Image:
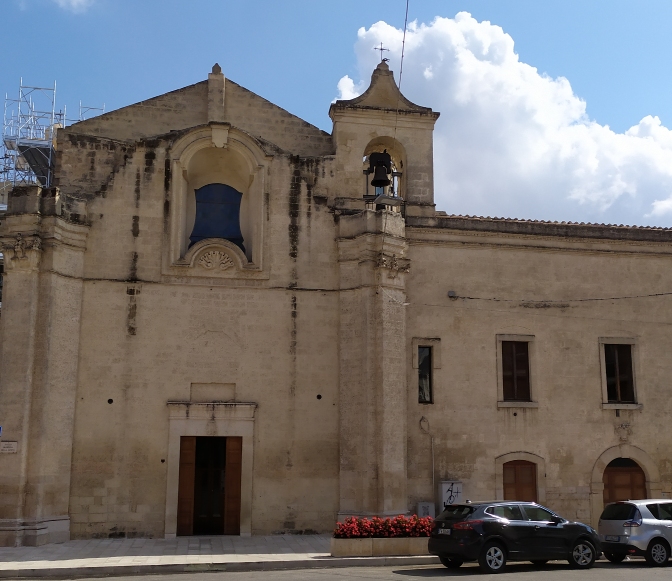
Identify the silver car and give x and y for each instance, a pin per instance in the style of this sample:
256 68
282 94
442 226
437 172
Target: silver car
637 527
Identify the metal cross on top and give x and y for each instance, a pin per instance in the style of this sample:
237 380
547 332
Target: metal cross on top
381 49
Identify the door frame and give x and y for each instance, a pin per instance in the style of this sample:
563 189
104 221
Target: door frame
209 419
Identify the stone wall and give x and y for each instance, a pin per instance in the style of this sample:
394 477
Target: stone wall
537 286
114 331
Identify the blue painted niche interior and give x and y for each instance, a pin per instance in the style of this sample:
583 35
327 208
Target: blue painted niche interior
217 214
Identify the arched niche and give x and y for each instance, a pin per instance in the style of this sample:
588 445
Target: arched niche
397 153
217 154
214 167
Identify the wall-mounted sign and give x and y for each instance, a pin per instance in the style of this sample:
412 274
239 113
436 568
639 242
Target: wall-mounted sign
426 509
9 447
451 492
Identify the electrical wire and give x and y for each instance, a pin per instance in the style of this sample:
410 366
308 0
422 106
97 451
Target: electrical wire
396 119
563 301
539 313
401 70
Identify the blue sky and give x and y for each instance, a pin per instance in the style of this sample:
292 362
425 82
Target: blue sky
613 53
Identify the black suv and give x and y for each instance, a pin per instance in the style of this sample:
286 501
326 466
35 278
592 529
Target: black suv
494 532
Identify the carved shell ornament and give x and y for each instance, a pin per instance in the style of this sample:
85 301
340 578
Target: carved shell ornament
216 259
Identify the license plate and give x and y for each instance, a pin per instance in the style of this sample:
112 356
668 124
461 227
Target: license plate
445 531
612 538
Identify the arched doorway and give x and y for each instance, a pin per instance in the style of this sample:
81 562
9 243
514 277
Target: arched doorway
523 470
646 463
623 479
520 480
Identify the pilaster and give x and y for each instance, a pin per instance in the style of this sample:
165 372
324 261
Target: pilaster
39 344
373 267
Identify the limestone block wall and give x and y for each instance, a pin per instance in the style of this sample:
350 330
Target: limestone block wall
275 347
180 109
261 118
537 286
188 107
147 337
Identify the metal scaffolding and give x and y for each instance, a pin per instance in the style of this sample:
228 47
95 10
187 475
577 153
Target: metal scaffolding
28 136
85 111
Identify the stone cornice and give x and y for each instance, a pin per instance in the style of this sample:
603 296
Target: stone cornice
538 228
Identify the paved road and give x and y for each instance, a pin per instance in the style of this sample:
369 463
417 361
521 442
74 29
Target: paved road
635 570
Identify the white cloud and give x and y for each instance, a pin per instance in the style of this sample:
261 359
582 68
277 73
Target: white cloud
514 142
76 6
346 88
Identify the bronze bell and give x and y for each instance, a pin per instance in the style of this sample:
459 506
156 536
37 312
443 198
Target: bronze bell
381 166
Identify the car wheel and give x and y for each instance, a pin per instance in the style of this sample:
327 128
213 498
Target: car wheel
657 553
583 555
451 562
492 558
615 557
539 562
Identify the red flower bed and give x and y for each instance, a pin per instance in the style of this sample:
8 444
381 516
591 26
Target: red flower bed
399 526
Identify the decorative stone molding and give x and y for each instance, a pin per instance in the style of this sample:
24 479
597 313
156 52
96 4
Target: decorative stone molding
21 244
623 431
187 418
244 411
22 252
393 264
220 135
251 174
215 259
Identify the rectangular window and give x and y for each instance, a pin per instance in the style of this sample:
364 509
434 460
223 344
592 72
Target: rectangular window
618 366
424 374
515 371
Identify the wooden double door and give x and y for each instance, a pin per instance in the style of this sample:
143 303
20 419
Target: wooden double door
208 500
520 481
623 480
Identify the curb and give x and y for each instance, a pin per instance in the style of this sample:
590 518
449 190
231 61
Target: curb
119 570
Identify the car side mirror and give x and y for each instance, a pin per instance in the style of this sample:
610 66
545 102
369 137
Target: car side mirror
557 520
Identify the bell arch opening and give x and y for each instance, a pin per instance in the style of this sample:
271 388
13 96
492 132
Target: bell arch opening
383 159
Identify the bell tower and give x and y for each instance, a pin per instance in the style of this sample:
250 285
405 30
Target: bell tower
384 173
381 121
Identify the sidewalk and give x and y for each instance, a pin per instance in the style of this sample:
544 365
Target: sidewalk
105 557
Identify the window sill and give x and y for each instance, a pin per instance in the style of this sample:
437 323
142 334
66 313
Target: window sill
622 406
517 404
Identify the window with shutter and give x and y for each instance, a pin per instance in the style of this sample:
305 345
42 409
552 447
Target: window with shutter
424 374
618 367
515 371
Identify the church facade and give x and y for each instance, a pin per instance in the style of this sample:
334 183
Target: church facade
223 320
